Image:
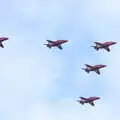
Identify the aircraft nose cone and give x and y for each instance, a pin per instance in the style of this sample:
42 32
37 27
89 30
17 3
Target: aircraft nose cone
65 40
104 66
98 97
5 38
101 66
114 42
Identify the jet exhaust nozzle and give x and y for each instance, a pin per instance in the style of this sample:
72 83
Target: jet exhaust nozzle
45 44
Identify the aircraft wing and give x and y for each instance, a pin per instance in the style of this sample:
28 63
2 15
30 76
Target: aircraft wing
92 103
2 40
1 45
60 47
107 48
98 72
50 41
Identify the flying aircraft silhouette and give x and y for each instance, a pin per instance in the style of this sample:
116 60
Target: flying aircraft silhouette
56 43
89 100
104 45
94 68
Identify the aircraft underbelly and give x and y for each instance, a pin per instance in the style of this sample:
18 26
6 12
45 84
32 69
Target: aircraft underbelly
51 44
89 68
98 46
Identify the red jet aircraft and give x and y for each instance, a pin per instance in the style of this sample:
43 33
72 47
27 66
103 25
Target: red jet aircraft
94 68
1 40
104 45
89 100
56 43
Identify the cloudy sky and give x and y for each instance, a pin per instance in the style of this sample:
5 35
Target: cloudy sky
41 84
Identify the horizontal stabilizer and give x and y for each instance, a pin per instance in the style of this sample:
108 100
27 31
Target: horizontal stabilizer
48 45
86 70
95 47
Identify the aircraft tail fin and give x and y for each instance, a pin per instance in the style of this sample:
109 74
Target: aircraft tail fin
83 98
